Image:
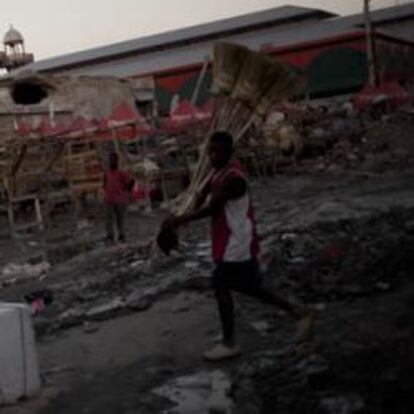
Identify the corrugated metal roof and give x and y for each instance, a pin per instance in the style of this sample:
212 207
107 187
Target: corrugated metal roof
285 36
200 31
310 33
384 15
339 26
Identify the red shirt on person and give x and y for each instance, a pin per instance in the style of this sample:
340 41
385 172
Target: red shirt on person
117 187
234 235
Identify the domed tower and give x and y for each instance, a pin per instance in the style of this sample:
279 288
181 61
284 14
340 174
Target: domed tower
15 53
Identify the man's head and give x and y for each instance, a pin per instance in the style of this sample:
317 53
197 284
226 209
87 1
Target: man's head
113 161
220 149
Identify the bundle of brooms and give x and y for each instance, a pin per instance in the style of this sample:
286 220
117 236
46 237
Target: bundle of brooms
246 84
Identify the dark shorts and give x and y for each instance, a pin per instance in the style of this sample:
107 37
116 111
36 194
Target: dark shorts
239 276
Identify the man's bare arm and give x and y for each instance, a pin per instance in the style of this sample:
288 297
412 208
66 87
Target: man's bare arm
233 189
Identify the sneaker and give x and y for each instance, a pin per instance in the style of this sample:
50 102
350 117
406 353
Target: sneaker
304 323
220 352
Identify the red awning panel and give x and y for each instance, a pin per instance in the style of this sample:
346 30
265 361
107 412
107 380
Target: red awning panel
185 116
388 91
124 123
124 113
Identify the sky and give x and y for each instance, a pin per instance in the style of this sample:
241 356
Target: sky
56 27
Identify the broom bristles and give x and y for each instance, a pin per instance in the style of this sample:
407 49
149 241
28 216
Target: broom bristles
275 73
248 87
280 91
258 75
273 80
228 59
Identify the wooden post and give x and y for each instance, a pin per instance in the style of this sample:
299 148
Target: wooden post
45 190
20 158
371 53
38 211
38 223
147 179
10 215
199 81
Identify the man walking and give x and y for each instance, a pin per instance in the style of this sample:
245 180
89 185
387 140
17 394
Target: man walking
235 245
118 186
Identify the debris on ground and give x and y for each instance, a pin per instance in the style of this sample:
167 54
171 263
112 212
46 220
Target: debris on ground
336 221
14 273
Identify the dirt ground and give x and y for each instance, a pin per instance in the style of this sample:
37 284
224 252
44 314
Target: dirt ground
126 328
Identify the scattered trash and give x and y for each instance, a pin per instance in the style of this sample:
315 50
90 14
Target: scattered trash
137 263
90 328
320 307
342 405
82 225
39 300
58 370
288 236
102 311
383 286
191 265
297 260
14 272
261 326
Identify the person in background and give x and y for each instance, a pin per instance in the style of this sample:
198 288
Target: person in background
118 187
235 245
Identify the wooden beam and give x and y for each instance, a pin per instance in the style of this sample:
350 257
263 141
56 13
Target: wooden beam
20 158
371 52
57 153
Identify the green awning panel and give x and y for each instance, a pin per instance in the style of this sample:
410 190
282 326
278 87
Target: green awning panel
339 69
163 99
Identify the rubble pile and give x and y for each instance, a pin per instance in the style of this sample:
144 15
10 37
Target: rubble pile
341 138
363 381
121 282
279 381
347 259
380 146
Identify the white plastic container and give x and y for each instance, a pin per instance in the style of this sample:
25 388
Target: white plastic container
19 369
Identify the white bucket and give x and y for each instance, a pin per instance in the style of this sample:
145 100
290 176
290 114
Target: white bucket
19 369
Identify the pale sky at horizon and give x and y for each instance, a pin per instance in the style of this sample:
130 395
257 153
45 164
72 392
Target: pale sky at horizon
56 27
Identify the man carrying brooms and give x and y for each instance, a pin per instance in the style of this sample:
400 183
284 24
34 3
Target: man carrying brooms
235 245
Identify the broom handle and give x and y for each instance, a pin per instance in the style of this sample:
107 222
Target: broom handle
236 108
203 153
220 111
221 114
190 200
211 127
242 130
201 165
196 178
239 117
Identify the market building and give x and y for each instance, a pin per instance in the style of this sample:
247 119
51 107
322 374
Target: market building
328 50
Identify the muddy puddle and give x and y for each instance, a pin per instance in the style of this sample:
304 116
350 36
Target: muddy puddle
202 393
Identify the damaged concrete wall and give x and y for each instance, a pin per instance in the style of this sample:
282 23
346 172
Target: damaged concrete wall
88 97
